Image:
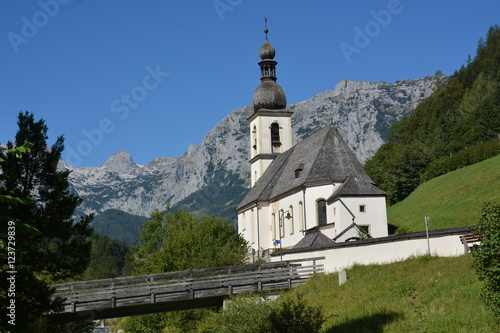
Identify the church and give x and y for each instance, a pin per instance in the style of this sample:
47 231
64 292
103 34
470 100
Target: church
313 192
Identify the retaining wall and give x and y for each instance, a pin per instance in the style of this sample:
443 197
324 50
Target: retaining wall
340 256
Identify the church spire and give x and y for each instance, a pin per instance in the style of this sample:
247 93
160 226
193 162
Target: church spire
267 53
270 124
268 95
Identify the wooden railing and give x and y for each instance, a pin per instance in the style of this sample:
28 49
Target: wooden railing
469 240
136 291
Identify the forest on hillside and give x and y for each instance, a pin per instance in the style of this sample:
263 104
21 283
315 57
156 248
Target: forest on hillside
458 125
119 225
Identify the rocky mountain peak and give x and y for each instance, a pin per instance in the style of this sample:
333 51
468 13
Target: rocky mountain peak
120 161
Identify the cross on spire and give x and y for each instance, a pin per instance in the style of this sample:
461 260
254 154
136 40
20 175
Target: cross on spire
265 29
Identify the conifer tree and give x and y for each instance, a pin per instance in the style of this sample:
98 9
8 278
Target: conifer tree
59 248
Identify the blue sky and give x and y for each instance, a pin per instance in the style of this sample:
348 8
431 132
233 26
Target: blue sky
152 77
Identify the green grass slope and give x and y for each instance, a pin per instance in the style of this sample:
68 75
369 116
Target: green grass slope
451 200
425 294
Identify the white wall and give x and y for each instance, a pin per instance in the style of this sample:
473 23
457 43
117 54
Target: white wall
291 236
374 216
343 257
290 203
313 194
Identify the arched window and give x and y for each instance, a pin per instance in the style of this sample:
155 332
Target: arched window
275 138
254 134
243 222
273 225
321 212
301 216
282 224
290 221
275 133
252 226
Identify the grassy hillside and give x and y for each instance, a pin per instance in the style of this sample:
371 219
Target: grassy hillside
425 294
451 200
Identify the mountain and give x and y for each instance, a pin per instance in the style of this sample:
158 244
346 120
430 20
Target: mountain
213 178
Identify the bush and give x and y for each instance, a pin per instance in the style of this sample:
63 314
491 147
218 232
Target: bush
246 313
253 314
486 256
152 323
294 315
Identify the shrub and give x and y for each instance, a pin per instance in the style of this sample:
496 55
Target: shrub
294 315
244 313
486 256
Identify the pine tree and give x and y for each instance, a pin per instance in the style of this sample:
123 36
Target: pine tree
60 248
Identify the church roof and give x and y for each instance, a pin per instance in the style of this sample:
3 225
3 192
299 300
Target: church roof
355 186
313 240
322 158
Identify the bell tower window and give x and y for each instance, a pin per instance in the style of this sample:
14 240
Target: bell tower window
254 134
275 138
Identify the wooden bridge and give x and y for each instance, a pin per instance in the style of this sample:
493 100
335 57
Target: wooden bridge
135 295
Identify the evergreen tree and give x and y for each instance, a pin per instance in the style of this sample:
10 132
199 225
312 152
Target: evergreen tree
108 258
60 248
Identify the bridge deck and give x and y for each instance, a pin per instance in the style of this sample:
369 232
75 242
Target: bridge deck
126 296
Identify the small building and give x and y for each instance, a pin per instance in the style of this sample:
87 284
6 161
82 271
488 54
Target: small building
317 185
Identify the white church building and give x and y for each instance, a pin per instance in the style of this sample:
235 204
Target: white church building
314 191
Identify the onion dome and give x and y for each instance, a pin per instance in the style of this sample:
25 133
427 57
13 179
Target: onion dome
267 51
269 95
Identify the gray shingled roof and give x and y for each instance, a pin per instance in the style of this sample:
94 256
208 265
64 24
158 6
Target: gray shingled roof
314 240
354 186
323 157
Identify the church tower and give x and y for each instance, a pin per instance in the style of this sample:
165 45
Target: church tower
270 124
